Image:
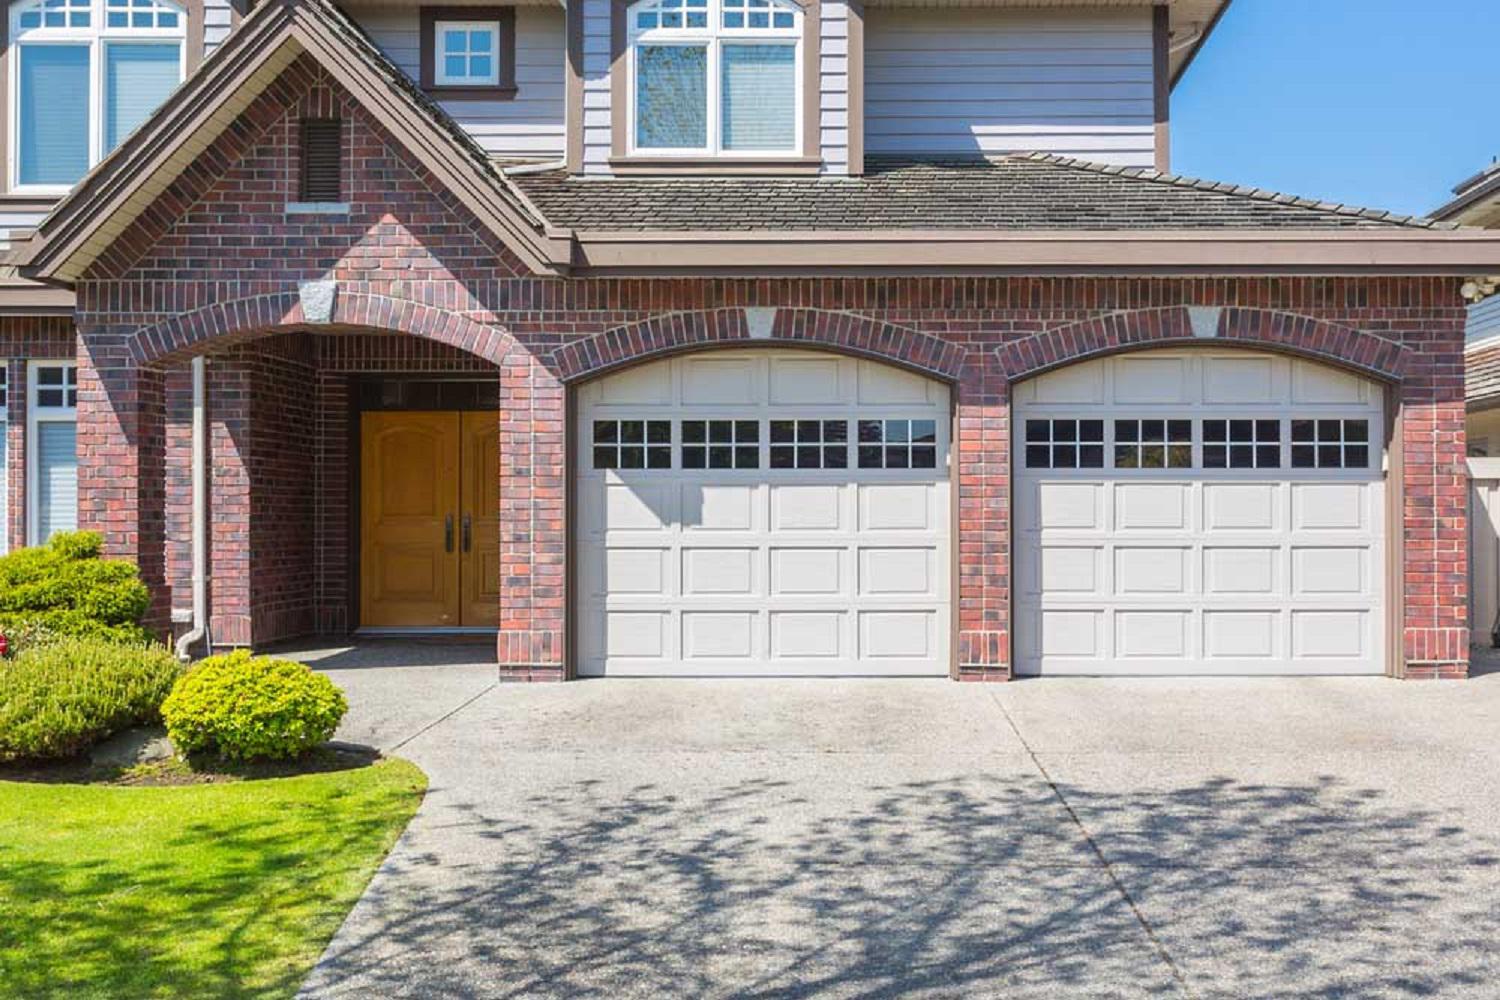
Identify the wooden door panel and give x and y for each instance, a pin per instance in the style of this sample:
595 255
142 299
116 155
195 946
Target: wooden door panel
409 554
480 513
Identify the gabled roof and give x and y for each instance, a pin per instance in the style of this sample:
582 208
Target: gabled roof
1028 192
126 182
1476 200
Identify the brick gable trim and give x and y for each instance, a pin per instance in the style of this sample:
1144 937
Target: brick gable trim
848 333
225 323
1341 346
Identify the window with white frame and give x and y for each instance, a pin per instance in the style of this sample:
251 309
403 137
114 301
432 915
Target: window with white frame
83 75
715 76
467 53
51 449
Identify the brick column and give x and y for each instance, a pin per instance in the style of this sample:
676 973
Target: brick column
983 599
533 525
1434 518
121 451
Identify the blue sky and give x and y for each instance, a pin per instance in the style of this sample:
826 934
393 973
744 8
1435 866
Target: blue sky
1379 103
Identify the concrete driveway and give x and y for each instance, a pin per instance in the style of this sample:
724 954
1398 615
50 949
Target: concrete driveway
1079 838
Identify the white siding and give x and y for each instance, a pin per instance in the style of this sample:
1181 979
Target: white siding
1484 320
976 81
596 110
833 97
530 125
12 221
217 21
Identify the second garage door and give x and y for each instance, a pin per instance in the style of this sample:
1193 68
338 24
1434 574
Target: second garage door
1199 512
763 512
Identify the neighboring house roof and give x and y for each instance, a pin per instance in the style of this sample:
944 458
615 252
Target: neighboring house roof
1476 200
1028 192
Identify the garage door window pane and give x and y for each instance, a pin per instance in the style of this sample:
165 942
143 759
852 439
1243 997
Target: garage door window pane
1154 444
632 444
720 444
1242 444
898 444
1330 444
1065 444
809 444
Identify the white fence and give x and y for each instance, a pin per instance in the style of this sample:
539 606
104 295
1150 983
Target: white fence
1484 547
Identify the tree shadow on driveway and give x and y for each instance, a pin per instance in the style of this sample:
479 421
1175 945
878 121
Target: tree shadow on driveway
974 885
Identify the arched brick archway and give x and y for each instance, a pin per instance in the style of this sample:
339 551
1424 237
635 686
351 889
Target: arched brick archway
847 333
1268 329
225 323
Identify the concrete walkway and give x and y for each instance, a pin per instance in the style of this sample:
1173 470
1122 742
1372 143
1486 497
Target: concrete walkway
1080 838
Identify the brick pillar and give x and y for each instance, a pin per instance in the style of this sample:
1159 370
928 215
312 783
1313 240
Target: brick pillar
121 452
533 525
983 599
1434 516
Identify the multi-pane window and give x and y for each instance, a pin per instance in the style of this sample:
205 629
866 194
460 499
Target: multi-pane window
809 444
52 462
467 53
721 444
898 444
1065 444
87 74
1153 444
1242 444
632 444
1330 444
711 76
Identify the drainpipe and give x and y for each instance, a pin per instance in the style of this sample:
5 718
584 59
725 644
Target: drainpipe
200 512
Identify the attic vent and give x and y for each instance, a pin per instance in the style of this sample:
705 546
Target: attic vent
322 159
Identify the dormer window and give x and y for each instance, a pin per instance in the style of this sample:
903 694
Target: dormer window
86 74
469 52
712 77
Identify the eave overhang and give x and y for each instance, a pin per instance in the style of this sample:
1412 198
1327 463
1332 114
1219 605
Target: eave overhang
117 191
1107 252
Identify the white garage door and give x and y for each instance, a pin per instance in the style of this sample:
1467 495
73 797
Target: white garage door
763 512
1199 512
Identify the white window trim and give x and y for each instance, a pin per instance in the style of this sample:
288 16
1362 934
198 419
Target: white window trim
36 415
5 456
440 76
96 36
714 37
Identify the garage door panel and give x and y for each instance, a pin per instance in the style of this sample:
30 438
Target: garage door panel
1234 571
1141 569
812 566
1330 570
1242 380
807 571
1242 506
896 506
1272 565
719 571
807 508
1152 506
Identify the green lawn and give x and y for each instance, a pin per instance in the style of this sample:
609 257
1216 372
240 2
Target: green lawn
202 891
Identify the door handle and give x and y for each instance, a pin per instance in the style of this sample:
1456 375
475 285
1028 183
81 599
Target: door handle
448 533
468 532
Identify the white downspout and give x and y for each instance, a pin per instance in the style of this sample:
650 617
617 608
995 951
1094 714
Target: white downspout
200 511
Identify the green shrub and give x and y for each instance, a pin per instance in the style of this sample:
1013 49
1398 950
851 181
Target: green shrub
64 588
244 707
60 697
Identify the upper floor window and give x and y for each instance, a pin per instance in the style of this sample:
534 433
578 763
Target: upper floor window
712 76
87 73
469 52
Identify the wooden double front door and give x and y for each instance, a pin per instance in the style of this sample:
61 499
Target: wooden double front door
429 519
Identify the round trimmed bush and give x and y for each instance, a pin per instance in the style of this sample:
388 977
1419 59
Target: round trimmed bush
61 696
243 707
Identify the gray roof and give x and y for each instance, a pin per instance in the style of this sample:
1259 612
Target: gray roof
1033 191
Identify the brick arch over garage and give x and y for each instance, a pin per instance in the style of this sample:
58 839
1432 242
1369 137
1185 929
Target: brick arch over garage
673 333
1290 333
225 323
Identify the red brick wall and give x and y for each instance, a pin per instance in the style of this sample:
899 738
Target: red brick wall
23 339
225 269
